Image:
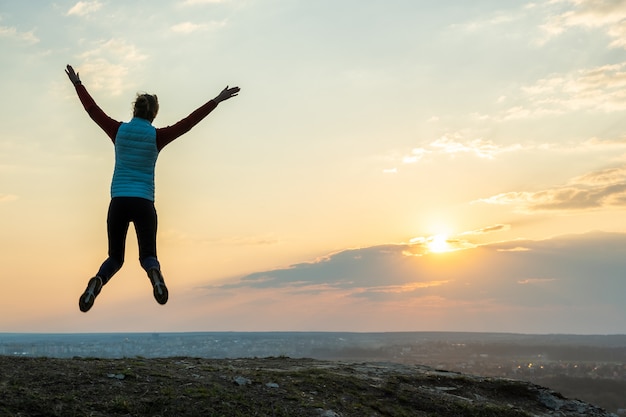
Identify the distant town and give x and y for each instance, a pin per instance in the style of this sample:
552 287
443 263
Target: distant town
589 368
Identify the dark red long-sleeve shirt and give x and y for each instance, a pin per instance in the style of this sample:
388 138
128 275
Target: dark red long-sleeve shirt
164 135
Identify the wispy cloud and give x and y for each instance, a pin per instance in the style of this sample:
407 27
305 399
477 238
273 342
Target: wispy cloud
456 144
563 199
83 8
5 198
479 147
601 88
608 15
200 2
488 229
598 89
189 27
535 281
514 249
396 292
496 18
601 177
108 64
13 33
415 155
594 190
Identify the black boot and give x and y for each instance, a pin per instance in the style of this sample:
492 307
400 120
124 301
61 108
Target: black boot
158 285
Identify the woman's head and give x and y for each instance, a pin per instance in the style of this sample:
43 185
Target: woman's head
146 106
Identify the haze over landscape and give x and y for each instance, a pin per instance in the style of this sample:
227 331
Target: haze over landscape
388 166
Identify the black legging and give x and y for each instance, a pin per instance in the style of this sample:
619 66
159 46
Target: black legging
122 211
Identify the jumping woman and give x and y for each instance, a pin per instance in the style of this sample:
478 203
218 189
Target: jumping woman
137 146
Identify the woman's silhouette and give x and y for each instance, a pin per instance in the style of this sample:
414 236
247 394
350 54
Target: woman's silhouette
137 146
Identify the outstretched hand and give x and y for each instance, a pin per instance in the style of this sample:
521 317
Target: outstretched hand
73 76
226 94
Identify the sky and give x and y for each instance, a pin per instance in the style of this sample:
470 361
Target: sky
403 165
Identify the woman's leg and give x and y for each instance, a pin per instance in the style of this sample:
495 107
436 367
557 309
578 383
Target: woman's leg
118 220
117 227
145 220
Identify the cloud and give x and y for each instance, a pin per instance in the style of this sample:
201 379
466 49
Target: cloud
494 284
595 190
514 249
618 33
5 198
83 8
568 284
594 144
533 281
395 292
415 155
458 144
478 147
601 88
609 15
200 2
566 199
598 89
602 177
13 33
119 48
497 18
349 269
189 27
488 229
422 245
108 64
454 144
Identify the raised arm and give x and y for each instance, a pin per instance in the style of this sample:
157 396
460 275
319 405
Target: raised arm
167 134
105 122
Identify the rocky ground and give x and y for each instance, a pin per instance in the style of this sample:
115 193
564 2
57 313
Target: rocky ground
185 387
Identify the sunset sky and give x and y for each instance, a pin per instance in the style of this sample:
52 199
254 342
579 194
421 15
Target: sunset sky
389 165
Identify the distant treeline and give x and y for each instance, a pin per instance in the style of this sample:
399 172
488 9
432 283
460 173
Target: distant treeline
494 350
607 393
554 353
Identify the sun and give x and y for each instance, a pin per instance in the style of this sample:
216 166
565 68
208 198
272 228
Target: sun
438 243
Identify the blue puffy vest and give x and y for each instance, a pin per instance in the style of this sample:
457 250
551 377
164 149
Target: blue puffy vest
135 158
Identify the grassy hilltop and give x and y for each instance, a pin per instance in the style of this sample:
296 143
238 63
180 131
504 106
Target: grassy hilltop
185 387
